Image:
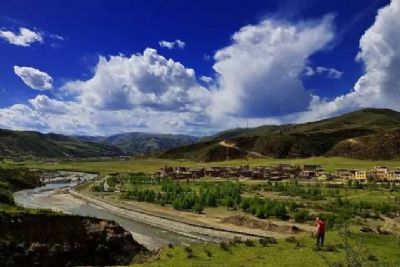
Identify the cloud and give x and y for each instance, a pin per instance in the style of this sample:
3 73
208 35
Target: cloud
43 103
380 85
146 80
149 92
24 38
206 79
331 73
34 78
21 117
172 45
57 37
259 73
309 71
380 54
257 79
78 119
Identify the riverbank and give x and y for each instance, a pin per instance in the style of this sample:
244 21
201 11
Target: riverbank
203 229
58 198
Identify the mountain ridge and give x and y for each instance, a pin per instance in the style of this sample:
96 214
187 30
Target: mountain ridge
301 140
142 142
36 144
359 134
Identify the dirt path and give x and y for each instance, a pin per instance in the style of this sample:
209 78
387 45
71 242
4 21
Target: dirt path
224 143
229 145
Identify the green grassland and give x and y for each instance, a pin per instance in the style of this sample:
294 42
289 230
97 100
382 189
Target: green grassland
353 250
370 249
150 165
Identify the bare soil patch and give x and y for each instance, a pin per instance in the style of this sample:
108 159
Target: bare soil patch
254 223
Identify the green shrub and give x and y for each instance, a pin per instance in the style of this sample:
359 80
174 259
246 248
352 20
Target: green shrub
224 245
301 216
198 206
6 197
249 243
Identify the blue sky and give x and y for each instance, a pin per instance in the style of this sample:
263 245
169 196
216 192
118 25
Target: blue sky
290 61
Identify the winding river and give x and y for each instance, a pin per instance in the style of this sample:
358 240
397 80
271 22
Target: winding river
51 196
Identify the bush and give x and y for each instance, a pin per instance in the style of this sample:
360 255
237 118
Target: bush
301 216
249 243
208 253
229 203
189 252
198 206
281 212
260 212
224 245
6 197
237 240
264 241
188 249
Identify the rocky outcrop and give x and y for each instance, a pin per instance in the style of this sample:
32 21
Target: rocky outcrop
63 240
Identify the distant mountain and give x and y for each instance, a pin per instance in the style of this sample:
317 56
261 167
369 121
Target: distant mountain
34 144
142 143
364 134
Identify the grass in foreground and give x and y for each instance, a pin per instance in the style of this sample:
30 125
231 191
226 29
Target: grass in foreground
370 250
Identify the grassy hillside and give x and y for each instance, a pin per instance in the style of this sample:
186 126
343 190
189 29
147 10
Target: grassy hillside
34 144
142 143
382 145
369 127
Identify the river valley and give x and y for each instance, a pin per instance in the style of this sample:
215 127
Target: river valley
56 197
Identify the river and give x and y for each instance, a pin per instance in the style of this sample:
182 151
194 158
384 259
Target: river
51 197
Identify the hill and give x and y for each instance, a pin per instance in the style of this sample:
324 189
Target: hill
369 128
142 143
35 144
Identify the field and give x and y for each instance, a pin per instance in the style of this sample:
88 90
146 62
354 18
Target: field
346 207
356 250
152 164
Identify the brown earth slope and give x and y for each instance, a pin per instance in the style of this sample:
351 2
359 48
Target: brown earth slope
62 240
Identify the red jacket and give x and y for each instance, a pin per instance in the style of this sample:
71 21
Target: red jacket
320 227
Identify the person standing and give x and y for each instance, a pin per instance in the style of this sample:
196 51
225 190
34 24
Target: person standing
320 231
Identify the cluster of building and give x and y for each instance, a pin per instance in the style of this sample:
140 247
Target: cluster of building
61 177
278 172
380 173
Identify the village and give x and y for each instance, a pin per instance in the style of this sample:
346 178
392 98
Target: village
281 172
62 177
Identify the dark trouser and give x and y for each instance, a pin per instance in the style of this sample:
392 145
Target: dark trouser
320 239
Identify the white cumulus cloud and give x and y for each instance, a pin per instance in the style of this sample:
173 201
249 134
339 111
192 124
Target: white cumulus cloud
380 85
24 37
257 78
34 78
259 73
146 80
171 45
